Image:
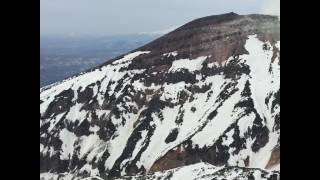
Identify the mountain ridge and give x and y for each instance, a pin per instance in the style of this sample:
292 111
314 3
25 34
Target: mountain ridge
209 93
222 17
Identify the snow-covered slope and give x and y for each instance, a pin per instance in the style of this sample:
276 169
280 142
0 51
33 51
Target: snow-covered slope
198 171
206 171
206 92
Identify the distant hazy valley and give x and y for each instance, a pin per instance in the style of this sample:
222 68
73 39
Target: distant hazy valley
63 56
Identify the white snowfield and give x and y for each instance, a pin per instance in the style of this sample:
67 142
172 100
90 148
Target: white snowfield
264 80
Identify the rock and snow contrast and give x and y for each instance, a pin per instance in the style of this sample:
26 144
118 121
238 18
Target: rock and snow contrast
201 102
206 171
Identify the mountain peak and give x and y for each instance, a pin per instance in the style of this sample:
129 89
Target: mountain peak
203 98
219 36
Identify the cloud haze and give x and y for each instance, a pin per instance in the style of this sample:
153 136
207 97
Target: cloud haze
271 7
134 16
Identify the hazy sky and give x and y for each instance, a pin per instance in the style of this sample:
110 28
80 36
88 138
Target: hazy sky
135 16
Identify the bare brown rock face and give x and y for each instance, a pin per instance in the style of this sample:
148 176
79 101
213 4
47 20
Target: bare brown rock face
275 158
173 159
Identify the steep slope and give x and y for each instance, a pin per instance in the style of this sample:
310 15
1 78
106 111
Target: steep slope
206 92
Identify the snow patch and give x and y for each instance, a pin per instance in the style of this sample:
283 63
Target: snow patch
189 64
130 57
174 53
68 139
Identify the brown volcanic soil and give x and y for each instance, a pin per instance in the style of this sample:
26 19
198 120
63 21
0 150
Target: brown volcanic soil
275 158
220 36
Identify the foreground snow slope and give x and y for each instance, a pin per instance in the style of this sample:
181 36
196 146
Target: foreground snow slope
199 171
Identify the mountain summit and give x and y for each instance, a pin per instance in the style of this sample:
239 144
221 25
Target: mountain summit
201 102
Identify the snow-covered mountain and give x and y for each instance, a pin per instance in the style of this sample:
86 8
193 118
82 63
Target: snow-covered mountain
203 99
